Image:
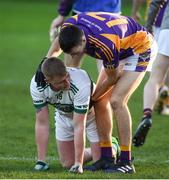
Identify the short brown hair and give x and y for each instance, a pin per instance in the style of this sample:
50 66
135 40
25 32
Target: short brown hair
69 37
52 67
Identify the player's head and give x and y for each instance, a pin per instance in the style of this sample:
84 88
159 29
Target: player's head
72 40
56 74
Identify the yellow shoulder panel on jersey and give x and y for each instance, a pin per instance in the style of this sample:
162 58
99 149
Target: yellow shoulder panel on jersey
139 41
115 22
114 38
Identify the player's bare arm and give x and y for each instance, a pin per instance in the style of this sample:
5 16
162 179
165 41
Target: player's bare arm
108 78
54 48
135 9
79 141
42 132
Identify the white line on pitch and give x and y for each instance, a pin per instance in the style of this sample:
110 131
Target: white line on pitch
27 158
50 158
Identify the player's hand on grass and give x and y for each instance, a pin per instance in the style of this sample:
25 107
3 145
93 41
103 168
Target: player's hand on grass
76 168
39 77
41 166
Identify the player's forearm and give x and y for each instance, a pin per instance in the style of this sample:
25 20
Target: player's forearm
136 6
54 49
108 77
42 136
103 88
79 142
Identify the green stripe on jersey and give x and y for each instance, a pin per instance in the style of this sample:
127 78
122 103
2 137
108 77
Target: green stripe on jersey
40 89
80 111
73 91
38 106
74 87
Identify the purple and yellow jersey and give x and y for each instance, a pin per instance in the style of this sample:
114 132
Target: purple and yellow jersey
111 38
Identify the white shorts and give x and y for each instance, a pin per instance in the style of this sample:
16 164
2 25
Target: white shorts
163 42
64 128
132 63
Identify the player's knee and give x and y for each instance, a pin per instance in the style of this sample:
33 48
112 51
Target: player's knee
116 102
66 164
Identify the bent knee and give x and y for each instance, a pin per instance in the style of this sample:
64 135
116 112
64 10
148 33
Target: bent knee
117 102
67 164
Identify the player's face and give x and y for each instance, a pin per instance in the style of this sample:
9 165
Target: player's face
79 49
59 83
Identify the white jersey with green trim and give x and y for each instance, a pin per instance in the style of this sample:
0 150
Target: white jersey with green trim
76 99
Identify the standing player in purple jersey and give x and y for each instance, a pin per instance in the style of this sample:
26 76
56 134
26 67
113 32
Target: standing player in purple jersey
77 7
126 49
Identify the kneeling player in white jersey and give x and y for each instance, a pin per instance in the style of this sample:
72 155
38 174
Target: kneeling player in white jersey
69 91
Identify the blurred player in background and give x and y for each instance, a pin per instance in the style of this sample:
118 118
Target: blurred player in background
135 9
69 91
159 69
79 6
162 104
126 49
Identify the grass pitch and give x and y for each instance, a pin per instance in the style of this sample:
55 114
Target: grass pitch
24 40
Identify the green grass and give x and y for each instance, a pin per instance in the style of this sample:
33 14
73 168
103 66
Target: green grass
24 41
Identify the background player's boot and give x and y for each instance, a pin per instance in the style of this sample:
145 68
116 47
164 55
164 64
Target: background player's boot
165 110
142 131
162 104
